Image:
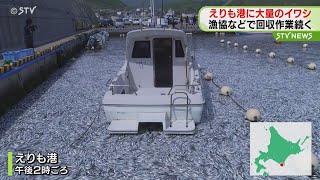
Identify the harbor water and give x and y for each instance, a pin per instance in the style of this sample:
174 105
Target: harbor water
63 114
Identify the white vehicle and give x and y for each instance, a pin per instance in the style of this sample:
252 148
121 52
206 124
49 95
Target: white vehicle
145 22
162 22
159 82
119 23
126 21
136 21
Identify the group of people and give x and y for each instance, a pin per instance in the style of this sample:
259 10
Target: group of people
188 21
184 21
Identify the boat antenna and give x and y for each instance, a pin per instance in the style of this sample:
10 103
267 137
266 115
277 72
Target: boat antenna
162 8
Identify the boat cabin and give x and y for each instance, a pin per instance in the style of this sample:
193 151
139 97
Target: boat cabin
156 58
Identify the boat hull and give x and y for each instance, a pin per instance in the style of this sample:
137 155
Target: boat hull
154 100
125 112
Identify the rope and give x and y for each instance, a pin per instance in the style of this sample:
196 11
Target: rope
238 104
241 107
218 86
87 130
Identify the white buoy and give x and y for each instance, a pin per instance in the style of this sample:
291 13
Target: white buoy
228 42
245 47
208 76
222 41
236 45
290 60
225 90
272 55
312 66
258 51
305 45
253 115
315 163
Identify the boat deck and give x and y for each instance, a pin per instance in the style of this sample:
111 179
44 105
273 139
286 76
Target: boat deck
158 91
153 91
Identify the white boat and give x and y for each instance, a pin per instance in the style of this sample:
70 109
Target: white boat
159 82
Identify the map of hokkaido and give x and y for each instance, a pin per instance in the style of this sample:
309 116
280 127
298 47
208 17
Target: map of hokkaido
280 148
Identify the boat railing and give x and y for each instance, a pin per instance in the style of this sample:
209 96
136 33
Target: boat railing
109 80
172 103
117 85
182 85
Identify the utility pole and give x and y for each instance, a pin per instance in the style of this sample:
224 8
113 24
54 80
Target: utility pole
152 12
153 8
142 10
153 17
162 8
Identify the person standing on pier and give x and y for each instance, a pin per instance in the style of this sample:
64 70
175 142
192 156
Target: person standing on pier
173 23
187 21
194 20
29 28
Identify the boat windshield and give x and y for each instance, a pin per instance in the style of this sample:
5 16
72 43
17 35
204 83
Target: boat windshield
141 49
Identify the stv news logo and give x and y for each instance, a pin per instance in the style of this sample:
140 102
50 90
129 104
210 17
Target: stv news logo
22 10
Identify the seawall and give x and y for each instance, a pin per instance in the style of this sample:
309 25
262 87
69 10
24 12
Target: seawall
21 77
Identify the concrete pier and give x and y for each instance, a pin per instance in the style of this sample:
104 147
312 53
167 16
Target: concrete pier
21 77
113 31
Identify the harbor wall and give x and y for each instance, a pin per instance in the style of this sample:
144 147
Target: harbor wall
20 78
120 31
55 19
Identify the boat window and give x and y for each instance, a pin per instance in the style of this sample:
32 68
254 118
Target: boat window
141 49
179 49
